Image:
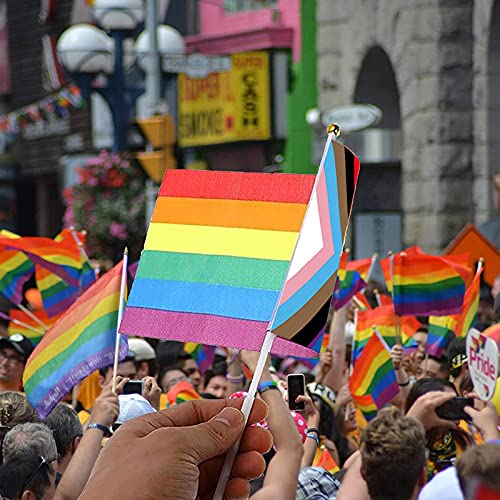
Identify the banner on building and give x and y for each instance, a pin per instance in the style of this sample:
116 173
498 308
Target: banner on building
228 106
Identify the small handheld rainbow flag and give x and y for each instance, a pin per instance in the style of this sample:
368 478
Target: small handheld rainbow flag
180 393
383 319
323 458
441 331
426 285
203 354
15 270
468 316
82 341
348 284
363 266
373 381
24 325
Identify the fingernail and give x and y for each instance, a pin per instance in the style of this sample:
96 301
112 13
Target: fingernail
230 417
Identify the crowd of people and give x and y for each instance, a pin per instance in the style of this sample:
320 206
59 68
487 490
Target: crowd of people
168 439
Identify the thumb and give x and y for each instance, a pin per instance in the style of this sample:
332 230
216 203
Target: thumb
215 437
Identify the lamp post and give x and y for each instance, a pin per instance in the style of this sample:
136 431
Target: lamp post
87 51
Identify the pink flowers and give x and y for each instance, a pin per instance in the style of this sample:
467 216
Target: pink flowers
118 231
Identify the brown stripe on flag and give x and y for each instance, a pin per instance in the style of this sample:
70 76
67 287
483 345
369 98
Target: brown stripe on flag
299 320
341 187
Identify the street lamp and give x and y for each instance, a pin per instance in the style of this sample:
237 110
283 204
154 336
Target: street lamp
86 51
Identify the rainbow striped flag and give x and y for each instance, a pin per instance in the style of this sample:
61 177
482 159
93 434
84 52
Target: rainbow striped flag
373 381
180 393
82 341
203 354
383 319
60 257
29 327
468 316
323 458
441 331
348 284
15 270
426 285
220 245
363 266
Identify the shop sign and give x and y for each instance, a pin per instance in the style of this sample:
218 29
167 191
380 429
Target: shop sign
226 106
353 117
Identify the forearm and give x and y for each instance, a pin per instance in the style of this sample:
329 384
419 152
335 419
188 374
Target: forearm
78 472
235 375
310 444
334 378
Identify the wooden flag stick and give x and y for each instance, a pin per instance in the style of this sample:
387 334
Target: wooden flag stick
397 323
82 251
123 286
20 323
26 311
245 409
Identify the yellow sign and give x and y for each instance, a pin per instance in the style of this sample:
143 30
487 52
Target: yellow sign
228 106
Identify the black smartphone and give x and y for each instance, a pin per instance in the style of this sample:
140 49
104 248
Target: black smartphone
454 409
133 387
296 387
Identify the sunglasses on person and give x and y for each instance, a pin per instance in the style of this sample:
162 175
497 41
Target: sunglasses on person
43 462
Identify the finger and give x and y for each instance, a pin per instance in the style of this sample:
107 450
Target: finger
192 413
256 439
237 488
120 384
250 465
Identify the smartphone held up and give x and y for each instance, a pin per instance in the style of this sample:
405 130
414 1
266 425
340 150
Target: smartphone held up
296 387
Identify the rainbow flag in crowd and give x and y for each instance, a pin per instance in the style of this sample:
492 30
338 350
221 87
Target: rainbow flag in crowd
348 284
383 319
180 393
15 270
468 316
441 332
323 458
31 329
203 354
82 341
426 285
373 381
363 266
409 345
220 245
60 257
361 301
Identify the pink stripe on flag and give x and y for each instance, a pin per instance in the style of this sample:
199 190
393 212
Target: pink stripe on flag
233 332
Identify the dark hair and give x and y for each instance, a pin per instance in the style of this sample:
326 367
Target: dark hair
14 474
456 348
425 385
152 366
66 427
104 371
218 369
177 365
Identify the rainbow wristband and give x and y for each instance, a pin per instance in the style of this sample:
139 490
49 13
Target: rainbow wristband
313 436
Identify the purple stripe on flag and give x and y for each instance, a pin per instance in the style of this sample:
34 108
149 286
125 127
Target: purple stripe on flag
188 327
433 308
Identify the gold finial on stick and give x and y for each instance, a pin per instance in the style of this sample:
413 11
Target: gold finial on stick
333 128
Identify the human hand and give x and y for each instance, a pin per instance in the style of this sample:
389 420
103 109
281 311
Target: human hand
424 410
188 443
152 392
343 397
486 420
310 411
325 363
397 356
107 406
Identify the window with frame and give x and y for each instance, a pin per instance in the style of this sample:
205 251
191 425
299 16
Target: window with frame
231 6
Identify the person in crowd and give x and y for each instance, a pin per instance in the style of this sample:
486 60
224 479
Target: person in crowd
170 376
104 414
15 409
446 442
67 430
215 382
29 477
190 367
316 483
14 351
186 442
433 367
132 406
146 364
33 439
457 361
